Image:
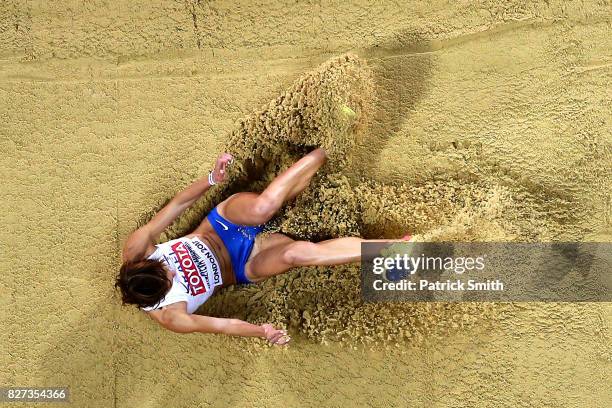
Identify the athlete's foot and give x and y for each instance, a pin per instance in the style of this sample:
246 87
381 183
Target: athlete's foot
320 153
405 238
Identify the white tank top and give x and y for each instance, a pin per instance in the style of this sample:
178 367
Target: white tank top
197 272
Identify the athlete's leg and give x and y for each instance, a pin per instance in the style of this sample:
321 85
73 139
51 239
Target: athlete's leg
256 209
265 262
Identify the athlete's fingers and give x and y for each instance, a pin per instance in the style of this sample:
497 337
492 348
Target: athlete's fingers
274 337
271 336
279 335
225 157
284 340
223 162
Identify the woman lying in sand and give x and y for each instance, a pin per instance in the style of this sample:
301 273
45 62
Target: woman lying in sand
170 281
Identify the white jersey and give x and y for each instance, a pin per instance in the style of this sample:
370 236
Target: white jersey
197 272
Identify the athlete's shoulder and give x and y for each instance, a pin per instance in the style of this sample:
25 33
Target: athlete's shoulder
168 244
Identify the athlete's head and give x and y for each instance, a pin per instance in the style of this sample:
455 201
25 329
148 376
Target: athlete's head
143 283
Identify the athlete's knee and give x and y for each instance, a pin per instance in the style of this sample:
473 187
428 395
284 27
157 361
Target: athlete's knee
299 253
263 209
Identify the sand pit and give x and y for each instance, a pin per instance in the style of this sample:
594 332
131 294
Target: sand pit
472 121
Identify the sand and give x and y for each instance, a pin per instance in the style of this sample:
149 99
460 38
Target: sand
473 121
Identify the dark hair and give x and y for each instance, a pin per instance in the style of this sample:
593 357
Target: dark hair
142 283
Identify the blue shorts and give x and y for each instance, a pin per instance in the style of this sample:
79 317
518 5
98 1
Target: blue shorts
238 239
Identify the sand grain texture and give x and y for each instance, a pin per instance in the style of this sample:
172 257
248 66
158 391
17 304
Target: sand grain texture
485 120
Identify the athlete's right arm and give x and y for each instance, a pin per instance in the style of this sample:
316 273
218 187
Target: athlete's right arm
179 321
144 237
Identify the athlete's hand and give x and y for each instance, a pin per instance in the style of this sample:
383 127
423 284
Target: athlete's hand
275 336
220 171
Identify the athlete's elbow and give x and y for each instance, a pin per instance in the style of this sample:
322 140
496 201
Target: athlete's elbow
183 323
179 329
179 324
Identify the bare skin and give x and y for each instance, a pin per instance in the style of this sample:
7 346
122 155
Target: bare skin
272 254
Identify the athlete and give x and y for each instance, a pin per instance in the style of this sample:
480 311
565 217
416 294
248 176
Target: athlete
170 281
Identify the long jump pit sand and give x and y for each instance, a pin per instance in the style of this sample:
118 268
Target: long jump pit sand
484 121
